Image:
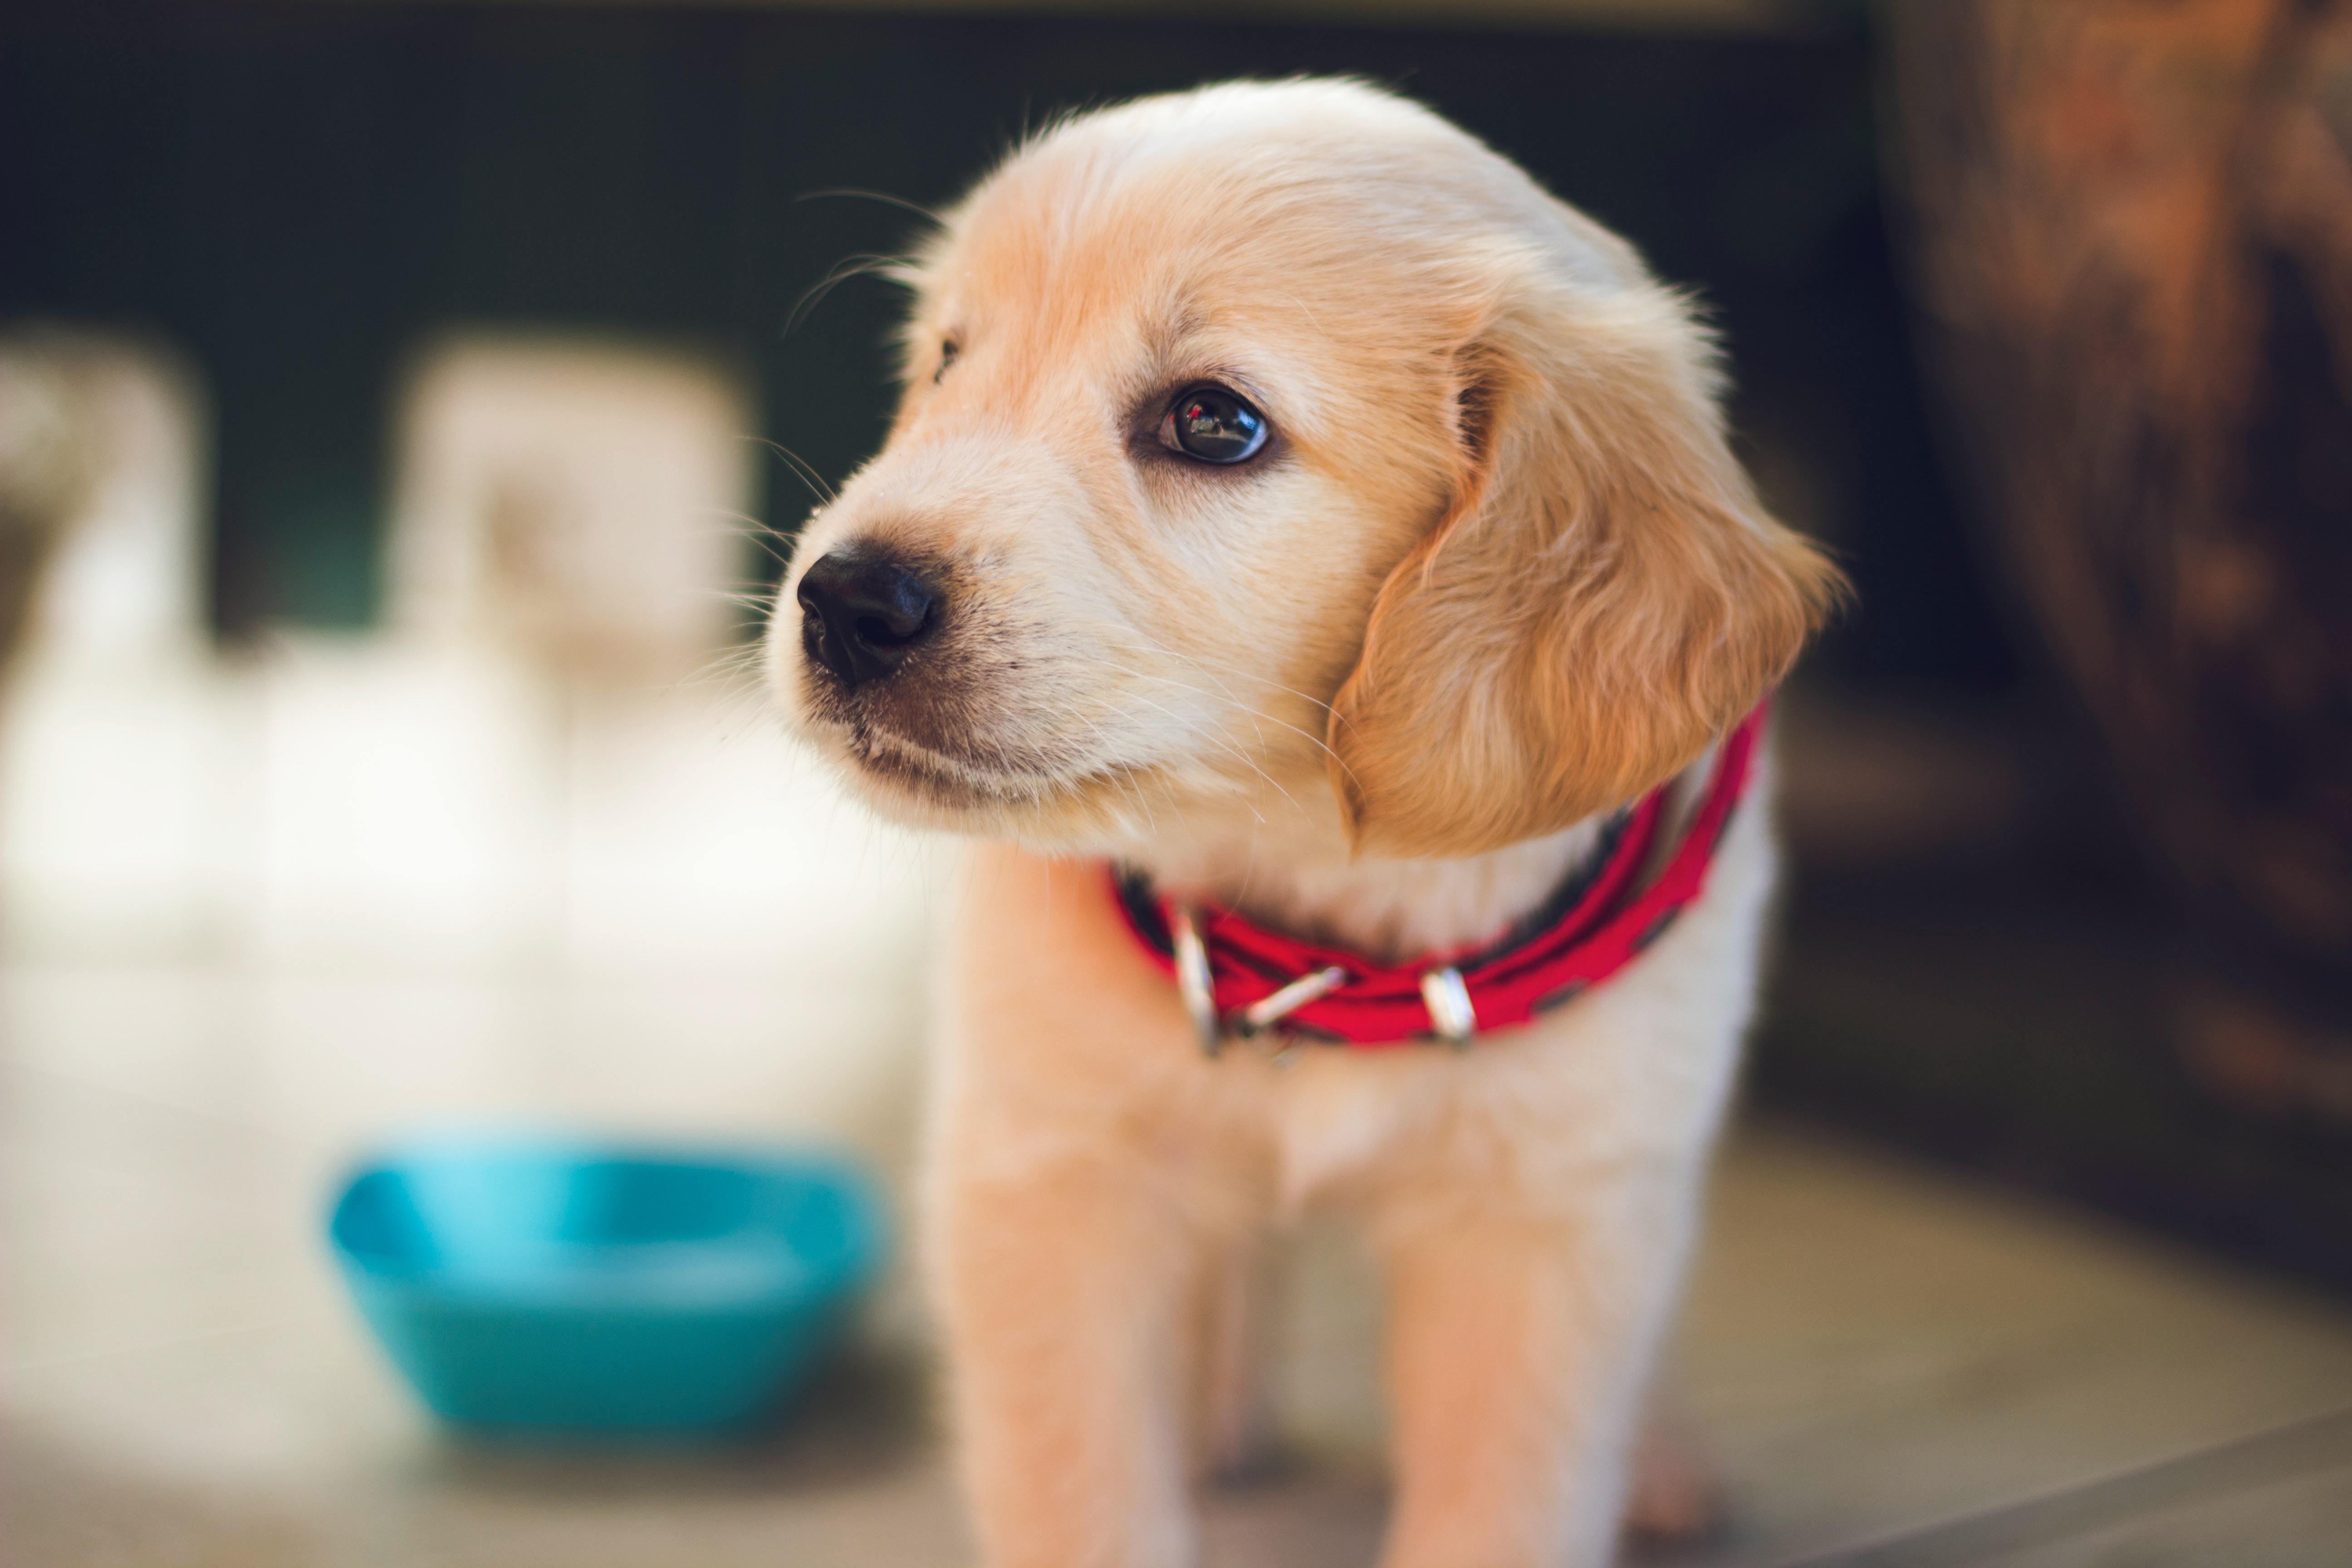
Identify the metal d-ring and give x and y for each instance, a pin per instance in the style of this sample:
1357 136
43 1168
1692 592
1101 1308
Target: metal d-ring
1194 982
1448 1001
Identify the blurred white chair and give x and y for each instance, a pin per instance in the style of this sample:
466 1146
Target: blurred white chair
509 856
104 434
581 504
119 831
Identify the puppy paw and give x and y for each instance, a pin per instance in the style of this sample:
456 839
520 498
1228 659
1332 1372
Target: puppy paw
1263 1460
1676 1496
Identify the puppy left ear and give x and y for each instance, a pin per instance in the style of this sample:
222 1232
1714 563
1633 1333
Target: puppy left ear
1605 597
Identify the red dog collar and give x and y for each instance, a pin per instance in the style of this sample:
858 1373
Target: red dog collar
1239 979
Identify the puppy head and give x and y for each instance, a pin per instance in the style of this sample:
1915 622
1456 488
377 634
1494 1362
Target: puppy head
1278 439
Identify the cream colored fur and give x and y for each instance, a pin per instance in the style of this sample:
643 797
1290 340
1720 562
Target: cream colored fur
1496 573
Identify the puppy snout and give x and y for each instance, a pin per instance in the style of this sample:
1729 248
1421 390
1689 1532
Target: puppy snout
862 610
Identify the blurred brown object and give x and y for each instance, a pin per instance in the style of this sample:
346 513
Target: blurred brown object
45 469
2132 226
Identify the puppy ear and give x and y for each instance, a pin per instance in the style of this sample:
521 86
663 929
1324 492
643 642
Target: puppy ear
1602 599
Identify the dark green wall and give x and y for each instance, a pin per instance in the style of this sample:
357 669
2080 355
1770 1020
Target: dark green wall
300 192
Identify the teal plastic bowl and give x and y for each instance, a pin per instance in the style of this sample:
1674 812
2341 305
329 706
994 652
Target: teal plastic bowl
545 1286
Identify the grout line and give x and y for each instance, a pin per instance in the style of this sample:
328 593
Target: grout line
2279 1453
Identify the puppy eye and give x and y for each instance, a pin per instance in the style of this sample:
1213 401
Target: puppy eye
949 348
1213 425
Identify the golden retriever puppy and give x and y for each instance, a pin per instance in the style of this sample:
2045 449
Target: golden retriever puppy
1307 557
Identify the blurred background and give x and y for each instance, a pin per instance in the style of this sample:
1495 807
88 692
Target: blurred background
404 408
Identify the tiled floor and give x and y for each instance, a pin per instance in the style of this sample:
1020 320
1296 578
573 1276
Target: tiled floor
1891 1369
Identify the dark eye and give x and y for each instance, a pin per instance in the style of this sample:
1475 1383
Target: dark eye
949 348
1212 425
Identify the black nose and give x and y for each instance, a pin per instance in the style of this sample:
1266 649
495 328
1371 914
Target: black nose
862 610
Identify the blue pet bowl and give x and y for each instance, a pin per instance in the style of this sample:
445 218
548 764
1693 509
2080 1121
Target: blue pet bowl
534 1285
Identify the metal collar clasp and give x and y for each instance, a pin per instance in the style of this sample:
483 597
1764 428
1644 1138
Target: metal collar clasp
1267 1011
1196 983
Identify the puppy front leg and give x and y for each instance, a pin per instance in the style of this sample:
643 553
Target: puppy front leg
1065 1293
1518 1348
